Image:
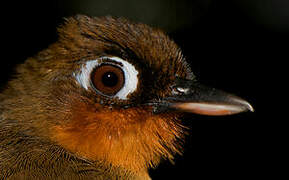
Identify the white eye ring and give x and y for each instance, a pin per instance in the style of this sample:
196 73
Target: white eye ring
130 75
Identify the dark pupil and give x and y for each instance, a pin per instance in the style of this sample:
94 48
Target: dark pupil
109 79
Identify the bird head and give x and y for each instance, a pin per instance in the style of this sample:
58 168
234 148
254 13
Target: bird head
112 91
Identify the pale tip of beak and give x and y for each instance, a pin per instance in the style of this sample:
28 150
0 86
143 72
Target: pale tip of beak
247 106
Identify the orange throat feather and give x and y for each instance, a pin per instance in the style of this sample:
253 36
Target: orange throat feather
133 139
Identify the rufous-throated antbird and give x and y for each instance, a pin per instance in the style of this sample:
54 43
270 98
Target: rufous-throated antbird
103 102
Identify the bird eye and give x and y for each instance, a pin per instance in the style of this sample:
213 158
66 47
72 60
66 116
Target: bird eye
111 76
108 79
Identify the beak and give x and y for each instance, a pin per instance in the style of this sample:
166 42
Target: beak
190 96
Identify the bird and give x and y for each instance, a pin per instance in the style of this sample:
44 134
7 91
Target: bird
104 101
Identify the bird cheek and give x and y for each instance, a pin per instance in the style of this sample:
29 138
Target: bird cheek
96 127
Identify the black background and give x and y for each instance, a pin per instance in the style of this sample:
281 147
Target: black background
231 45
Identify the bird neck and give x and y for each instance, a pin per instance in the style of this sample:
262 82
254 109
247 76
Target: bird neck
33 158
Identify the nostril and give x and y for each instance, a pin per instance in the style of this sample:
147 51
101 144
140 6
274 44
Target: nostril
180 90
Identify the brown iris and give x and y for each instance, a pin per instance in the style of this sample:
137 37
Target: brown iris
108 79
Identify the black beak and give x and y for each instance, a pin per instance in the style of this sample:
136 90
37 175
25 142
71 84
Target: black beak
190 96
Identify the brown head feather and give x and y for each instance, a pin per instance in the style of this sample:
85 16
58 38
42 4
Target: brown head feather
44 103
